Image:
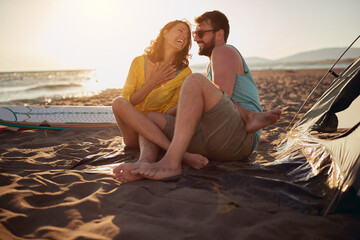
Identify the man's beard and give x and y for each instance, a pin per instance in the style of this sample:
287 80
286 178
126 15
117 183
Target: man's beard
207 49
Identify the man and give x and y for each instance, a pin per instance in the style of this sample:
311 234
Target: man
208 121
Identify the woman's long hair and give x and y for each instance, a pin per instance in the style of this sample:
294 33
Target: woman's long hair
155 51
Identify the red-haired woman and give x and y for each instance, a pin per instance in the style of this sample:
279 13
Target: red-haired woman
153 85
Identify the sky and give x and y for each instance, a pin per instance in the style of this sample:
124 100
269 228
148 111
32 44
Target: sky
108 34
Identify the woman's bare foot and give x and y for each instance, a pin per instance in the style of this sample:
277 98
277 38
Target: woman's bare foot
257 121
194 160
123 174
159 170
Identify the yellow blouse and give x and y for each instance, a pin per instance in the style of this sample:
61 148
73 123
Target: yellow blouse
159 99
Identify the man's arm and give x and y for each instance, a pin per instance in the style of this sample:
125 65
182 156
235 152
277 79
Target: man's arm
225 61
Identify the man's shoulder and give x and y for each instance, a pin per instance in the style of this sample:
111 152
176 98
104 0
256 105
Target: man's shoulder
225 49
229 56
226 52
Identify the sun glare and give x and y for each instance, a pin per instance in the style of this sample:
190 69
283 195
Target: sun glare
78 32
85 35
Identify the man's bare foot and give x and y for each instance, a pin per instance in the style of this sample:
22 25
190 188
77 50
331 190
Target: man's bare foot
194 160
159 170
123 174
264 140
257 121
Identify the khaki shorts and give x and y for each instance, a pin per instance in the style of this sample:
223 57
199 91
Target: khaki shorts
220 134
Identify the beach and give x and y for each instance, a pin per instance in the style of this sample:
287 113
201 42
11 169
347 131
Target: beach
58 184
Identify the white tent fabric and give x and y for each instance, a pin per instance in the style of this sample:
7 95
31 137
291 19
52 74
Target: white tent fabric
338 156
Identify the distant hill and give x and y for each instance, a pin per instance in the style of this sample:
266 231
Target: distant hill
310 56
322 58
258 60
322 54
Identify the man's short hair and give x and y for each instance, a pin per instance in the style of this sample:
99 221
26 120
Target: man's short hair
218 21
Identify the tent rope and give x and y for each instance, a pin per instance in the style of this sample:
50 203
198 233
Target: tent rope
317 85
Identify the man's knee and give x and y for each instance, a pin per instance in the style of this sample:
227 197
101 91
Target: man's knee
196 79
157 118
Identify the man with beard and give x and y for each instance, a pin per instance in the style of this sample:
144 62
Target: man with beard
219 117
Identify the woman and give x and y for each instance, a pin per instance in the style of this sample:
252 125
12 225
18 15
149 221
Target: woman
153 85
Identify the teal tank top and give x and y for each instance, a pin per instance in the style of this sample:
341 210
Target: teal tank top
246 94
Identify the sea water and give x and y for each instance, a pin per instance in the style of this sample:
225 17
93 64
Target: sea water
19 88
26 88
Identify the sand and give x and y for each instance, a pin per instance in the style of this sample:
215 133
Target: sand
57 184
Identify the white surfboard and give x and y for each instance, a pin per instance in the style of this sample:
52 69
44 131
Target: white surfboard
57 117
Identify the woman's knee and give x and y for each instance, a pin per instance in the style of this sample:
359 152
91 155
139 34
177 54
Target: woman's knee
119 103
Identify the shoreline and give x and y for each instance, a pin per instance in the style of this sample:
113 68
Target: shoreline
105 97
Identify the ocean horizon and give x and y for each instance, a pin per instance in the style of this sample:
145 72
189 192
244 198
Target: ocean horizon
19 88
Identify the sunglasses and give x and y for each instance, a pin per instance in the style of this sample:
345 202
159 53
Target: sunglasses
200 33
